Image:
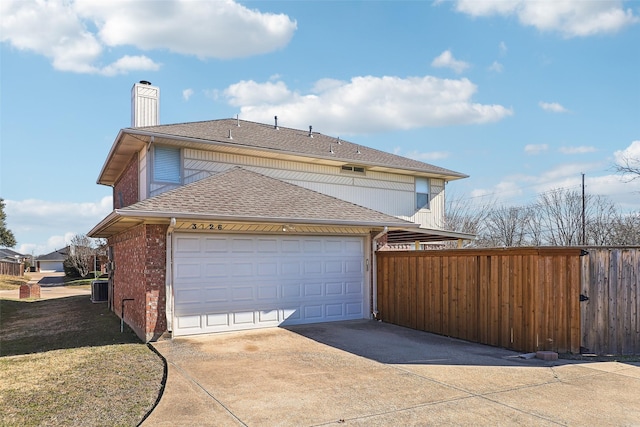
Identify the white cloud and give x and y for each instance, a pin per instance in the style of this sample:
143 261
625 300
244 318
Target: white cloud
496 67
503 48
43 226
577 150
251 93
130 63
187 93
552 107
534 149
572 18
366 104
74 34
631 153
446 60
523 189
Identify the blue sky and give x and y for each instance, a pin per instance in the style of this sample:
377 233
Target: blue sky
523 96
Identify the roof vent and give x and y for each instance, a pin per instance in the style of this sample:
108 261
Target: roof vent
310 133
238 120
338 141
144 82
358 150
230 137
276 125
330 148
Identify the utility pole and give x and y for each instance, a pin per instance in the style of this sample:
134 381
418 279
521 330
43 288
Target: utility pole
584 234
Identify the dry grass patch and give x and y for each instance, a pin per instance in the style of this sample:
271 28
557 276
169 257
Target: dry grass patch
12 282
65 362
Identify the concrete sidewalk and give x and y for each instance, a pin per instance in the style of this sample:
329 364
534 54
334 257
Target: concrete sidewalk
374 374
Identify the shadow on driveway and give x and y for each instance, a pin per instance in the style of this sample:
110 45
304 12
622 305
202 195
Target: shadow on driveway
391 344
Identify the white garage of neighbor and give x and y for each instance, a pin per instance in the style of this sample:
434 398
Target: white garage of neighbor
227 282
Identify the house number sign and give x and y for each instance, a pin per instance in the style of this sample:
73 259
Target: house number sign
200 226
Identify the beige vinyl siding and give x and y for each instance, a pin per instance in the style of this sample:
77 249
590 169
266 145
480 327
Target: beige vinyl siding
393 194
434 216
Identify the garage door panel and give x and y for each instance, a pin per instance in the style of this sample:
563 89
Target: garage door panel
215 269
290 268
188 244
215 245
268 268
334 289
267 246
242 245
290 246
268 292
354 309
241 282
185 271
213 295
312 289
333 247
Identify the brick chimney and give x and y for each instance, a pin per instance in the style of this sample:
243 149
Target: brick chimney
145 104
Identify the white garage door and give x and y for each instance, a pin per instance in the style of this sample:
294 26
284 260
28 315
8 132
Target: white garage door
234 282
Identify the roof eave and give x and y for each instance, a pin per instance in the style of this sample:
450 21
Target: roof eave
121 214
262 219
446 175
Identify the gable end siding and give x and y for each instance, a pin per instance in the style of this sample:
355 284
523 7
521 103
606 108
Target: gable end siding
393 194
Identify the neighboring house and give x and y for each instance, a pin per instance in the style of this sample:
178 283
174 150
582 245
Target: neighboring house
52 262
10 255
228 224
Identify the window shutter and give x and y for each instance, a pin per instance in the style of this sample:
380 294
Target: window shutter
166 164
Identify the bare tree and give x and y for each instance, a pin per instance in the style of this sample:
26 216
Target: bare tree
628 167
601 215
81 254
625 229
561 212
506 226
533 226
466 217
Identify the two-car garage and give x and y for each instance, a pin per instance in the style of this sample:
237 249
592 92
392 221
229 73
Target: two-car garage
226 282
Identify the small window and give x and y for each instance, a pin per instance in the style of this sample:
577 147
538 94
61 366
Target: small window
422 193
166 164
351 168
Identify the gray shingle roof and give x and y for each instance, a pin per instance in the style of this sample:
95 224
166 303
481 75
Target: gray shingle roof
294 141
57 255
243 194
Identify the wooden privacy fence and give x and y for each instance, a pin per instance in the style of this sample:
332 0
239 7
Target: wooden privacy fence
611 315
11 268
525 299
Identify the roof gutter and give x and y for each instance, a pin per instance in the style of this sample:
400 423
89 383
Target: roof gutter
169 276
234 218
374 271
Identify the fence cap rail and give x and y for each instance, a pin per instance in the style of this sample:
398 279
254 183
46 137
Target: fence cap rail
541 251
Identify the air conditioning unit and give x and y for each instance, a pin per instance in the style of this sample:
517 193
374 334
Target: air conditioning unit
99 291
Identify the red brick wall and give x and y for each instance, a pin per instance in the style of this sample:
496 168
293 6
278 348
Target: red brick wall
125 191
139 256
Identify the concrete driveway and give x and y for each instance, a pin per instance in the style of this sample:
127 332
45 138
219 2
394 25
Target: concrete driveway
51 286
376 374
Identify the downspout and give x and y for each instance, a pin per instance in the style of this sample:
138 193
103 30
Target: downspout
374 266
169 276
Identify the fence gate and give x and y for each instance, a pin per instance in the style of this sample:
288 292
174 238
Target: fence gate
610 315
